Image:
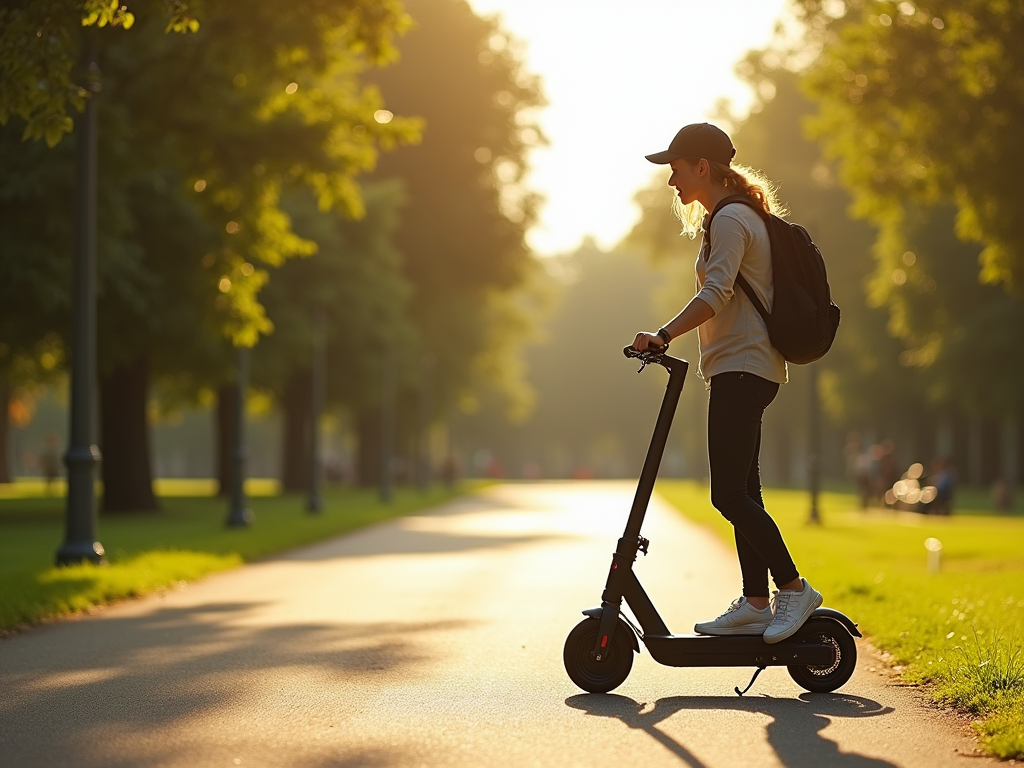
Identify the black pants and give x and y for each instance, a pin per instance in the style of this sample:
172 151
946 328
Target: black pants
735 408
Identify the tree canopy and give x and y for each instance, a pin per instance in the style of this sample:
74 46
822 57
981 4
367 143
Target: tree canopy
922 103
467 212
38 46
201 139
215 126
40 42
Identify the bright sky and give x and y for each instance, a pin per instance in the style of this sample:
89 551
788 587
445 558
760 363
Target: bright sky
622 76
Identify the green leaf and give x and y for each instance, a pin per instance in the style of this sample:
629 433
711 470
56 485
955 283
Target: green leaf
53 134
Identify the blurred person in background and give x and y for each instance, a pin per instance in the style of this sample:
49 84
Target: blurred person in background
851 450
943 477
449 472
864 471
858 467
1002 494
888 471
739 366
49 463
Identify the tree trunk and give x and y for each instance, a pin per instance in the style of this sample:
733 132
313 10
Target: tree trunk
295 456
975 471
944 439
224 428
1010 449
124 429
5 431
368 426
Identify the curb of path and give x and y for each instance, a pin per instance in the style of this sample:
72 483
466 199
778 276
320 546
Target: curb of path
879 663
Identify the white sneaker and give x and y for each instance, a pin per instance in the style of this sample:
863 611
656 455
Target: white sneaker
792 609
740 618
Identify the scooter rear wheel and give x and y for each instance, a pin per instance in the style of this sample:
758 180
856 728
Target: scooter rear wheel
826 679
597 676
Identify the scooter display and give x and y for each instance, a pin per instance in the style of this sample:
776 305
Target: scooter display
598 652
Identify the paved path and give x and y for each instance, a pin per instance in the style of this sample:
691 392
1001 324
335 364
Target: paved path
435 640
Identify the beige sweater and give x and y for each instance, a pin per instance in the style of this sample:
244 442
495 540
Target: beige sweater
736 338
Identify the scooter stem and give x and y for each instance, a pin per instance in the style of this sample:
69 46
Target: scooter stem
621 578
652 463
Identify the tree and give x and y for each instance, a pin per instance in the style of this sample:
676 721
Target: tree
34 283
200 138
922 104
356 280
22 375
38 42
861 375
463 226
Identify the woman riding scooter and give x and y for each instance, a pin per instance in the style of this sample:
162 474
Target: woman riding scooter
740 368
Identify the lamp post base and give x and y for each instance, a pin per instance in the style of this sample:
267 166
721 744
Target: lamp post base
240 518
75 552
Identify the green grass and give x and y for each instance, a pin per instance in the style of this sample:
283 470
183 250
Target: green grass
959 632
31 487
147 552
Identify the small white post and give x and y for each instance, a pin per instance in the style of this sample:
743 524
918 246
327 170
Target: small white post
934 547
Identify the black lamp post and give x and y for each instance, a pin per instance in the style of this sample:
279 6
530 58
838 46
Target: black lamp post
82 455
238 515
424 469
315 503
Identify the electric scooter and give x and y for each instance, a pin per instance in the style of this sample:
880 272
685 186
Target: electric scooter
598 652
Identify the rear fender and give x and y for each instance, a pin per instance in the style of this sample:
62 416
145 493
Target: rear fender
832 613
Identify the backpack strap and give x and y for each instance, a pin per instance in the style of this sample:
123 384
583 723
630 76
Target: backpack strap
740 280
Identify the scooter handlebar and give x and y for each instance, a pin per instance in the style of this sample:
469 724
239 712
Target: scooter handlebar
658 356
650 353
655 355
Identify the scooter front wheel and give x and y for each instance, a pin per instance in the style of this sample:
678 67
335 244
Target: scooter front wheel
826 679
597 676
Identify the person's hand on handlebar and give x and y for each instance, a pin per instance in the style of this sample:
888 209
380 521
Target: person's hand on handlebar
645 341
696 312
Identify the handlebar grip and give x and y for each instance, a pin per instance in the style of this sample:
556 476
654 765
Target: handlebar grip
630 352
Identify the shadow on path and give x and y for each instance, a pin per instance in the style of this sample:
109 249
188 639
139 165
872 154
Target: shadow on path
794 733
141 674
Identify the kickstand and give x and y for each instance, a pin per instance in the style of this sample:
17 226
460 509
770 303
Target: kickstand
758 672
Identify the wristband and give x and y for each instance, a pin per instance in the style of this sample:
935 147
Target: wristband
665 335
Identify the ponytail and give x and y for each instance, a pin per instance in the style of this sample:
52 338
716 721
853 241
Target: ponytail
739 180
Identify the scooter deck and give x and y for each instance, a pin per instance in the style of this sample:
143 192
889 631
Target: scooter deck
735 651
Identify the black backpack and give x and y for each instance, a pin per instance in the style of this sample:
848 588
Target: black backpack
803 321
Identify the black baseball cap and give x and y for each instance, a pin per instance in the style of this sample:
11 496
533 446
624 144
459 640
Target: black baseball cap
696 141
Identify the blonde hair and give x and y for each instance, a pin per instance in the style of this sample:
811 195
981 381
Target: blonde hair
739 180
